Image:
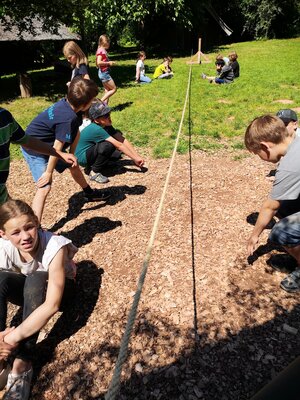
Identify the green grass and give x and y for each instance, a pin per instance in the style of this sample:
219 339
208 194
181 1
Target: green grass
149 115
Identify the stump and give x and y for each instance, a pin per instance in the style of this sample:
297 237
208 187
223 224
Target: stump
25 85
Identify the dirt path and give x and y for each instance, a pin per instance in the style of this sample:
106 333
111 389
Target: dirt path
205 285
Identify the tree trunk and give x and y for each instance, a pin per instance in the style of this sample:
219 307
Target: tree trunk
25 85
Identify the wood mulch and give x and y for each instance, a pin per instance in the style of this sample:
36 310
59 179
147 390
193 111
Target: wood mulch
211 324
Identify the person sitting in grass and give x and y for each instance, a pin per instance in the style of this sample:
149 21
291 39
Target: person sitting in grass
140 76
59 126
224 73
233 62
37 273
268 137
11 132
290 119
164 70
99 140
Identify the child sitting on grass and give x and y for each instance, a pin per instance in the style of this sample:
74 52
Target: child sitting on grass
99 140
233 62
59 126
224 73
36 273
268 137
164 70
140 76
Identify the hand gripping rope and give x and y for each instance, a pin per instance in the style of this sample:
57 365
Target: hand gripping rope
115 382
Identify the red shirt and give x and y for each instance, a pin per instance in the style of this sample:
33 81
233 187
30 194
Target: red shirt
102 52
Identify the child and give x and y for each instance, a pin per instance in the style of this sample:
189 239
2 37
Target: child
224 73
37 273
163 70
140 76
290 119
59 126
268 137
234 64
11 132
221 57
77 59
99 140
103 63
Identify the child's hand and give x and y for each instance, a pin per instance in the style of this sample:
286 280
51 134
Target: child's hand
139 162
111 63
68 158
252 244
5 348
45 179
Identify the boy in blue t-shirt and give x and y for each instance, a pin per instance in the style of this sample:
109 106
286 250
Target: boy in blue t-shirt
59 126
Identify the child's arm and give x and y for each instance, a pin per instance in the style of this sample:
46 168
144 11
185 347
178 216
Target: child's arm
47 175
127 149
101 63
74 144
44 148
137 72
267 212
5 348
40 316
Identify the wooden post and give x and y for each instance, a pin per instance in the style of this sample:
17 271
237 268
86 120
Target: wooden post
199 51
25 85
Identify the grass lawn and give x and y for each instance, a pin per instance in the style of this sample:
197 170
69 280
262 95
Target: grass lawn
149 115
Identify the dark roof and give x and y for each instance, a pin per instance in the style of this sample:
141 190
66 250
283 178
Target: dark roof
13 34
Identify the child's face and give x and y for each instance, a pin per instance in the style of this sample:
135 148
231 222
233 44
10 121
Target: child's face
72 59
292 126
105 120
106 44
22 232
218 67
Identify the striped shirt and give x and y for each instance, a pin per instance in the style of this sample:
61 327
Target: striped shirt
10 132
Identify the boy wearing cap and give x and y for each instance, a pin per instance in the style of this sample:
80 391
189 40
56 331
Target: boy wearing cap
99 140
268 137
290 119
224 73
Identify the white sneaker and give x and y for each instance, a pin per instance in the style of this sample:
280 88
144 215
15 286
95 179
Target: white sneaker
18 386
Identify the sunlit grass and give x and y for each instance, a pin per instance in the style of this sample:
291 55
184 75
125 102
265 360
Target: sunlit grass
150 114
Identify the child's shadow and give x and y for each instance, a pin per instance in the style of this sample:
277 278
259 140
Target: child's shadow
121 167
122 106
120 192
88 282
252 218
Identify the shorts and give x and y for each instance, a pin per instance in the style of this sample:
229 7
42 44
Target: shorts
286 232
219 81
104 76
37 164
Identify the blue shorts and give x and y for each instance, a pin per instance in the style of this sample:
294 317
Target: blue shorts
104 76
219 81
287 231
37 163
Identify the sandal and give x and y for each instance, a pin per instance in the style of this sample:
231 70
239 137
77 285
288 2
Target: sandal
291 283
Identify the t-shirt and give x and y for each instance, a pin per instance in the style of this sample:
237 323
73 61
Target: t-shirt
161 69
48 246
56 122
226 74
89 136
140 67
103 53
286 185
235 68
79 71
10 132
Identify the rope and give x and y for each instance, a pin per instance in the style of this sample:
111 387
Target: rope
115 382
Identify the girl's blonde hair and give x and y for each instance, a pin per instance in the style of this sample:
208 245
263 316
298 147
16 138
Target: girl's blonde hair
13 209
141 54
233 56
72 49
103 39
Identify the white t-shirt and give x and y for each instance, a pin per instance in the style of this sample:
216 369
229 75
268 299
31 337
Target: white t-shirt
49 245
140 67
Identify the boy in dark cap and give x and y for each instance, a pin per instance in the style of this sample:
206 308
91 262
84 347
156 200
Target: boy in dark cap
99 140
290 119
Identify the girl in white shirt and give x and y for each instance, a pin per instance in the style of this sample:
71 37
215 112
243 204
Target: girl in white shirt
140 76
36 272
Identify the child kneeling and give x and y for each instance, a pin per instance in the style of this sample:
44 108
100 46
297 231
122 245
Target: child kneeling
37 273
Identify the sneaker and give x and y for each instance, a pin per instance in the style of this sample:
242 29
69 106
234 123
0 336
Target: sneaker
203 76
98 177
18 386
96 195
291 283
87 170
4 375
